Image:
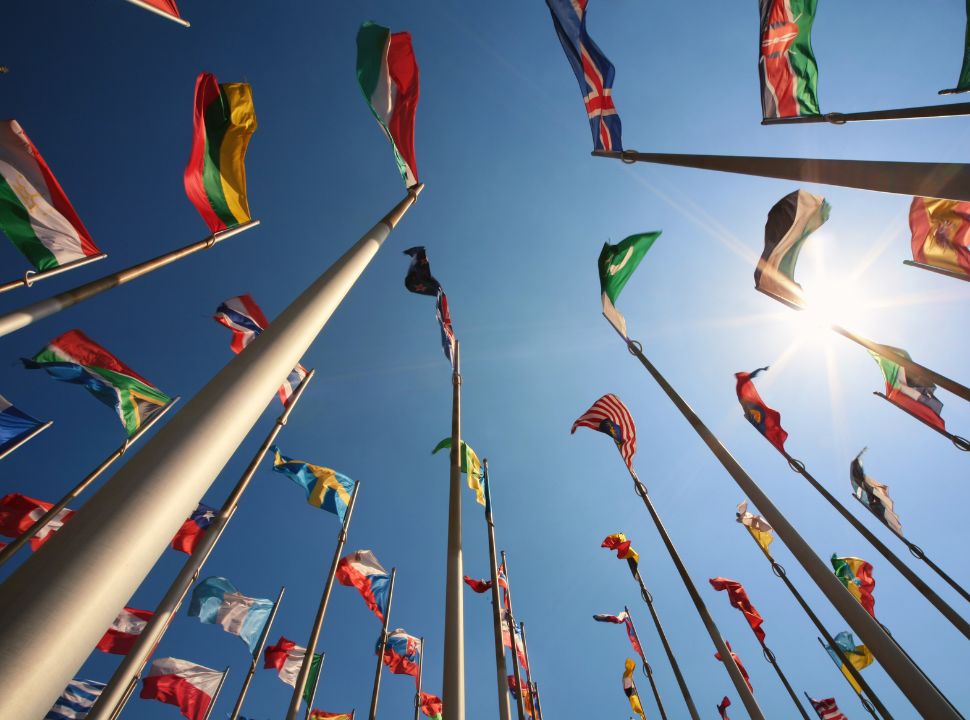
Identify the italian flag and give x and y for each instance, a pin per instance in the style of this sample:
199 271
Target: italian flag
388 75
34 211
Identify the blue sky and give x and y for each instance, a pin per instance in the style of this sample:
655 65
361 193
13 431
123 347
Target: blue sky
513 217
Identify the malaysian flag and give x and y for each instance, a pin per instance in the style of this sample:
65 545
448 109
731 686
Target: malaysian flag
609 415
593 71
827 709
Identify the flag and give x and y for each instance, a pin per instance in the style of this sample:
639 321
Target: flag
188 686
18 512
287 657
765 420
362 570
615 619
402 653
526 696
609 415
857 655
616 265
737 661
34 211
76 701
168 7
722 708
827 709
321 715
432 706
479 586
507 638
15 425
73 357
790 222
917 396
124 631
193 529
503 583
246 320
593 71
448 339
789 73
325 488
470 465
223 121
739 599
388 75
856 574
419 278
757 525
630 689
873 495
941 231
624 618
624 550
216 601
963 85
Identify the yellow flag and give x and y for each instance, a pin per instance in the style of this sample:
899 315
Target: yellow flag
631 690
473 468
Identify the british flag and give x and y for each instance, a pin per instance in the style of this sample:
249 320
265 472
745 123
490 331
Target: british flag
609 415
593 71
827 709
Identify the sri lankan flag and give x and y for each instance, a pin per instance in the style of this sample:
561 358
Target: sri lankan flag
223 121
789 73
856 574
941 233
74 357
916 396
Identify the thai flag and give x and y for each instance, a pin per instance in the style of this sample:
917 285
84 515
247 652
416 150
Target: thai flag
362 570
402 653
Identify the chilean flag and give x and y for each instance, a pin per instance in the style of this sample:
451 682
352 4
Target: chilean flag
123 632
186 685
193 528
402 653
362 570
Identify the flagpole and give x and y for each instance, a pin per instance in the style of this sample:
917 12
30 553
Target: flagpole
119 688
153 9
510 621
636 692
950 181
914 579
961 443
453 681
940 271
647 670
256 655
773 661
846 667
536 713
15 545
316 684
294 710
55 608
906 676
212 703
913 113
28 314
504 709
417 695
536 703
381 647
26 438
32 276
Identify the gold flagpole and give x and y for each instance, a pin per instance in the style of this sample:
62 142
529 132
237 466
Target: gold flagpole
381 647
32 276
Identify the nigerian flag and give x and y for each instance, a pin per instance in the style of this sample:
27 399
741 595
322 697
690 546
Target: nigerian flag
616 265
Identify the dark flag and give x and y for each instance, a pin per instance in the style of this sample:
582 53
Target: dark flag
419 279
766 421
790 221
873 495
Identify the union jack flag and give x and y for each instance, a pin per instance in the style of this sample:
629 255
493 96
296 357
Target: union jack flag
593 71
609 415
827 709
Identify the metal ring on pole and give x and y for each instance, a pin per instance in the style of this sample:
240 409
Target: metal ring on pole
866 704
124 448
961 442
835 118
645 594
628 156
916 551
634 346
647 670
796 465
27 278
769 656
778 569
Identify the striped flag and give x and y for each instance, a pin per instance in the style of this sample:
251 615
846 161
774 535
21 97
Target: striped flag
609 415
76 701
124 631
827 709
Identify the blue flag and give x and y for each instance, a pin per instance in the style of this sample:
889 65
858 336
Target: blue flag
216 601
15 425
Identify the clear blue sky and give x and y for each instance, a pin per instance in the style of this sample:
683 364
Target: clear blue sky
513 216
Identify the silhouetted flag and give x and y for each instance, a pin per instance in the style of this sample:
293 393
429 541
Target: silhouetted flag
873 495
419 278
723 706
790 221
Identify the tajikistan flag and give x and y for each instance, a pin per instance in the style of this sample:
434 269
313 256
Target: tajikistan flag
216 601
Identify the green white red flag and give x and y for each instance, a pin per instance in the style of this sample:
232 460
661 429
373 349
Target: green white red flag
789 73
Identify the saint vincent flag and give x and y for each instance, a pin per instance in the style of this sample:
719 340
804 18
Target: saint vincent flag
325 488
856 574
470 465
789 73
790 222
941 233
223 121
915 396
765 420
616 264
75 358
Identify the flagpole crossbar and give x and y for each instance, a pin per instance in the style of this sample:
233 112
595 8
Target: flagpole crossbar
961 443
31 276
913 113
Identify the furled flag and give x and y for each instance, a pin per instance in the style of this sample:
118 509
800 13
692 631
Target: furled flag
916 396
15 425
432 706
419 278
789 73
526 698
34 211
856 574
188 686
73 357
630 688
479 586
857 655
246 320
402 653
624 550
163 7
388 75
124 631
963 84
76 701
737 661
757 525
790 222
593 71
609 415
616 265
503 583
362 570
18 512
325 488
193 529
941 232
216 601
873 495
470 465
723 706
321 715
624 619
448 339
287 657
765 420
507 638
739 599
827 709
223 121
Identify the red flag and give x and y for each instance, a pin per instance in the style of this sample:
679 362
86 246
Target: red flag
827 709
610 416
765 420
188 686
18 512
123 632
527 696
739 599
431 705
722 708
478 586
166 6
737 661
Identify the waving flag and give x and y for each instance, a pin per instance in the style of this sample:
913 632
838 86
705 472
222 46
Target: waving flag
15 425
873 495
188 686
757 525
124 631
432 706
18 512
479 586
73 357
790 222
723 706
503 583
610 416
856 574
526 697
624 619
321 715
789 73
193 529
916 396
737 661
325 488
419 278
739 599
941 232
216 601
166 8
765 420
507 637
402 653
616 265
362 570
470 465
448 339
827 709
858 655
624 550
630 688
286 657
76 701
593 71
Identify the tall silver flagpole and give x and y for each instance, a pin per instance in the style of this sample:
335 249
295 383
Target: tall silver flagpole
453 680
26 438
381 647
254 663
56 607
504 709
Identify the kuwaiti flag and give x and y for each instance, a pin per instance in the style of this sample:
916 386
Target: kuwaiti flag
402 653
362 570
34 211
124 631
287 657
15 425
18 512
186 685
193 529
325 488
76 701
216 601
388 75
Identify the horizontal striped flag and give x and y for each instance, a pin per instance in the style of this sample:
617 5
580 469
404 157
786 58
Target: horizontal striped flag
188 686
915 395
610 416
216 601
362 570
124 631
827 709
76 701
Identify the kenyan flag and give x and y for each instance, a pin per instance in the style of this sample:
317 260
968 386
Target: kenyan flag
789 73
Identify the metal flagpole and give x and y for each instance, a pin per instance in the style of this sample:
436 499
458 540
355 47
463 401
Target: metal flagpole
647 670
504 709
417 694
453 681
381 647
510 623
153 9
316 684
906 676
29 436
536 703
256 655
311 645
212 703
846 665
913 113
636 692
773 661
23 317
537 715
122 683
32 276
941 271
950 181
55 608
14 546
960 442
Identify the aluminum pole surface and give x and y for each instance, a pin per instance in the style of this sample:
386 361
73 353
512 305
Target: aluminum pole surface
32 276
453 680
56 607
504 708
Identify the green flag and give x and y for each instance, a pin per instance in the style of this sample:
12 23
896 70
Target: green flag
311 681
963 85
470 465
616 265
